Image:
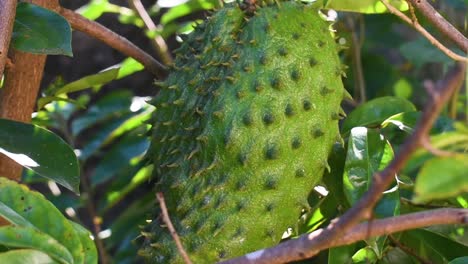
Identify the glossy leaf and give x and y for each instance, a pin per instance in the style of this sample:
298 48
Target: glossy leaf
374 112
30 237
89 248
407 122
333 179
119 157
364 256
38 30
185 9
342 254
22 256
113 105
128 67
363 6
100 78
42 214
449 141
368 152
41 151
433 246
442 177
461 260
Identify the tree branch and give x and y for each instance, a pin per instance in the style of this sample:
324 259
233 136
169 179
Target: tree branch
158 42
309 245
7 19
113 40
441 23
170 226
424 32
360 232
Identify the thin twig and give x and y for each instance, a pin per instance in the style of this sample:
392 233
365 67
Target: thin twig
7 18
296 249
112 39
360 83
167 221
309 245
441 23
158 42
424 32
408 250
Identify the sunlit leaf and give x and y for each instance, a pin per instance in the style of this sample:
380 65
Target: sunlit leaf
364 6
185 9
22 256
368 152
89 248
38 30
442 177
374 112
41 151
89 81
40 213
30 237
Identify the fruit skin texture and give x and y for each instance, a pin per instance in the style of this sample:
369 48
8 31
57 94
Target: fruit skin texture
242 130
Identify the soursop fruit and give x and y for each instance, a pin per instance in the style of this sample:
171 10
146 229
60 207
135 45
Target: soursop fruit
243 127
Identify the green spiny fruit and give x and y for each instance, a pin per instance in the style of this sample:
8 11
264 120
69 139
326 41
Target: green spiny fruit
242 131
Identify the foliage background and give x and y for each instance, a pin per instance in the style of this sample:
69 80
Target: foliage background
106 128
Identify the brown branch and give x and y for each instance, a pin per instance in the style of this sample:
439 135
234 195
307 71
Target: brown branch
158 42
167 221
309 245
112 39
360 232
441 23
7 19
424 32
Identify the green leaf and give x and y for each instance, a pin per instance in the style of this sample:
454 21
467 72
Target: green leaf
112 106
89 248
333 179
38 30
441 178
374 112
362 6
420 51
30 237
127 151
364 256
100 78
449 141
22 256
128 67
94 9
433 246
462 260
186 9
41 151
407 122
342 255
368 152
42 214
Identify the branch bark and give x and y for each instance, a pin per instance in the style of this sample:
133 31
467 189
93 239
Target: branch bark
113 40
441 23
309 245
19 94
7 19
360 232
158 42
